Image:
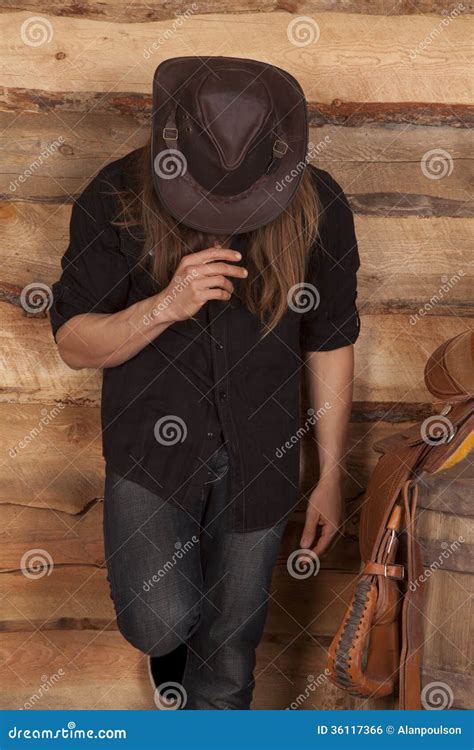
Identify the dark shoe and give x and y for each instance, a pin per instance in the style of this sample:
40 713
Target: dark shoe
168 668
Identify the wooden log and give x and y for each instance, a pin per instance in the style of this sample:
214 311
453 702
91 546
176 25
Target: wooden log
374 164
355 114
358 157
412 263
52 456
439 72
120 10
67 669
336 112
68 539
33 238
392 352
34 366
71 597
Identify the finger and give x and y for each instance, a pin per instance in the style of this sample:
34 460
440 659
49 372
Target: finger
211 254
309 531
209 269
327 535
215 293
221 282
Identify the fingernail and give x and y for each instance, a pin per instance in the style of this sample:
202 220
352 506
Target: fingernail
238 255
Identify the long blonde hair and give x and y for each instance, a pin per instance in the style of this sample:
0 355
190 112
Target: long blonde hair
276 256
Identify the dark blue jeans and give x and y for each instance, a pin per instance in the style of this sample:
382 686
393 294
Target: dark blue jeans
177 577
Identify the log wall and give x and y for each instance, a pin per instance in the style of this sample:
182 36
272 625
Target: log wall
390 95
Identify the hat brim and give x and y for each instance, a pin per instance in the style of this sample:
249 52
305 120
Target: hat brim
180 192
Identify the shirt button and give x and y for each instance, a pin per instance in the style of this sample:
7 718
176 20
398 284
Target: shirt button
210 434
219 345
222 395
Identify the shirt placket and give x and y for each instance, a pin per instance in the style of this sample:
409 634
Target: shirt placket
219 328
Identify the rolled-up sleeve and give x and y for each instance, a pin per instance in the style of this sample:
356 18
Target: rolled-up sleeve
333 320
95 274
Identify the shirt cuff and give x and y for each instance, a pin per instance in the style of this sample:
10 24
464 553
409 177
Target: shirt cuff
64 307
336 335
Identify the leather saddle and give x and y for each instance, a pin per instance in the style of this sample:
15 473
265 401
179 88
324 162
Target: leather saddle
378 646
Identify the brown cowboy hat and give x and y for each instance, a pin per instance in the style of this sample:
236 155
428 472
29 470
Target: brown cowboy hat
229 141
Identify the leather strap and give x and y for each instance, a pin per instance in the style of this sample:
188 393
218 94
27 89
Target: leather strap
412 631
380 569
170 131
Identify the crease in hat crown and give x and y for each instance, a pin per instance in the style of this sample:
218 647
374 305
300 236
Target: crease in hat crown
233 99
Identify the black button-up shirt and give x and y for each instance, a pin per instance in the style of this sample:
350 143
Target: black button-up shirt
212 377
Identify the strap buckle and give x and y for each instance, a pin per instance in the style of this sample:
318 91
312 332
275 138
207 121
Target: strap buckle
402 570
280 148
167 131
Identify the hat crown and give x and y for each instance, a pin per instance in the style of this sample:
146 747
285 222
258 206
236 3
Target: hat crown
232 107
234 129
